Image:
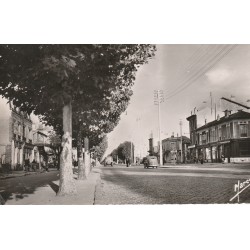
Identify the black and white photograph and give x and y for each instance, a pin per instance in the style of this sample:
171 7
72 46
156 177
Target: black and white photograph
124 124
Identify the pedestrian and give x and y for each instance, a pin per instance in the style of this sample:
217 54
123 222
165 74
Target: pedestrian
127 162
195 160
33 164
222 158
201 159
27 165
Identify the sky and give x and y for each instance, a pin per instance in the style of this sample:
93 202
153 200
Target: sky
201 73
188 75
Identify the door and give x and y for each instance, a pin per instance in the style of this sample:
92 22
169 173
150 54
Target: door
227 152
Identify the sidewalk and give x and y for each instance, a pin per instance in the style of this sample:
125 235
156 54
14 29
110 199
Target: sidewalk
21 173
46 195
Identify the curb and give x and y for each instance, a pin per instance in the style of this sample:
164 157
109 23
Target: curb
20 175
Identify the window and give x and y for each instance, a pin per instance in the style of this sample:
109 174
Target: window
212 137
172 146
244 148
243 130
204 138
223 132
228 131
219 133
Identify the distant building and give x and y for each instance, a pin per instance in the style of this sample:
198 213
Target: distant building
171 149
16 138
41 149
225 139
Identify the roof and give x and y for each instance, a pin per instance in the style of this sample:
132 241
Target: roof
184 138
239 115
191 117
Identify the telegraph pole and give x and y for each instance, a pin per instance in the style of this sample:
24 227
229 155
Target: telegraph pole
181 139
158 99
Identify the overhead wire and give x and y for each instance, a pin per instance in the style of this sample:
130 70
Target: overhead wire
208 52
202 71
200 64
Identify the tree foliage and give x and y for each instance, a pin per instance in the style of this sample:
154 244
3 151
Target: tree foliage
124 151
97 78
98 151
40 78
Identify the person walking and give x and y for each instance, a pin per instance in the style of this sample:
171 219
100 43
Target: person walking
127 162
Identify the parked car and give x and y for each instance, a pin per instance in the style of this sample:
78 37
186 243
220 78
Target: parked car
151 161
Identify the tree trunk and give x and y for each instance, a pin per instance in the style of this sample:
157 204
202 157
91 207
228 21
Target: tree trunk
81 167
87 162
86 156
67 184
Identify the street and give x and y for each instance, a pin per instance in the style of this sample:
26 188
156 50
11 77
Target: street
173 185
190 184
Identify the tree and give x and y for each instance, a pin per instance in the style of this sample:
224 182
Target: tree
56 145
46 78
98 151
114 154
124 151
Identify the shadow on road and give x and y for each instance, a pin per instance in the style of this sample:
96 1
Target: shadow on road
21 187
54 186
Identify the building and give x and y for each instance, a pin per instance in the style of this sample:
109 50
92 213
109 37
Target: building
16 138
224 139
171 149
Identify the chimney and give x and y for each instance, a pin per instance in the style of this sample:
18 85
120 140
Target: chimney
205 121
172 136
218 117
227 113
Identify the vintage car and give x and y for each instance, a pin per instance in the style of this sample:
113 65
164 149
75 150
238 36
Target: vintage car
109 161
151 161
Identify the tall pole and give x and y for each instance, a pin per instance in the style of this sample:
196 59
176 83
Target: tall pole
158 100
131 156
211 103
181 140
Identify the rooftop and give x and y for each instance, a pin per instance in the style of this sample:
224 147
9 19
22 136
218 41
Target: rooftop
238 115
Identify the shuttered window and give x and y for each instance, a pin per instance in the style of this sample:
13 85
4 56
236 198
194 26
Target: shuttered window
243 130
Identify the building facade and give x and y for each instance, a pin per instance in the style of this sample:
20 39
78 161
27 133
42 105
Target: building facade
171 149
226 139
16 138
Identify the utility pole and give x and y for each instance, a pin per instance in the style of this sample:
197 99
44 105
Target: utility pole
158 99
181 140
211 103
138 119
131 152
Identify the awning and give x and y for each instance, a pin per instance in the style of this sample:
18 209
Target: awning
224 142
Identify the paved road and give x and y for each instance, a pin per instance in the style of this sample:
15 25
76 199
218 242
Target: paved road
195 185
21 187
